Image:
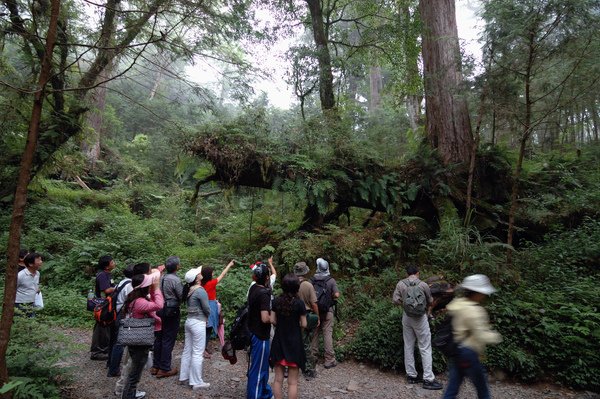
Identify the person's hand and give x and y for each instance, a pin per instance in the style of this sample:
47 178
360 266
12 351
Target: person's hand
160 268
231 263
156 280
271 261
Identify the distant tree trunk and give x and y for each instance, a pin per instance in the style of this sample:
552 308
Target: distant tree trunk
321 35
20 199
447 114
524 139
376 85
412 75
594 112
90 145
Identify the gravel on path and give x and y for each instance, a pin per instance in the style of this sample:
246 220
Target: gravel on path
349 380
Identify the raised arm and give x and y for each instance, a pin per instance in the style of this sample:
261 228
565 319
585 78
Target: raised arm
224 272
272 267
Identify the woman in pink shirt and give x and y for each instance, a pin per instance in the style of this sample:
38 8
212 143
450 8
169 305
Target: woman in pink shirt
139 306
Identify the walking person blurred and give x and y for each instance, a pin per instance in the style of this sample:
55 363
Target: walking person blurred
472 332
198 311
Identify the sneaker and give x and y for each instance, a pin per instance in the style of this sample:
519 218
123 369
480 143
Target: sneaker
413 380
170 373
140 394
200 386
433 385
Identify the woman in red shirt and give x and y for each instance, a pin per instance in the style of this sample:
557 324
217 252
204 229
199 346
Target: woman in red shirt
210 286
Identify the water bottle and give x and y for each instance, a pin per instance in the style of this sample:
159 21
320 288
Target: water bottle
90 294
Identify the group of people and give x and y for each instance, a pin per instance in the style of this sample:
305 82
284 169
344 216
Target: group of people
470 329
158 293
296 321
284 330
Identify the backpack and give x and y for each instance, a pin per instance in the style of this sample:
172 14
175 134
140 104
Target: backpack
414 300
443 339
324 297
105 312
240 334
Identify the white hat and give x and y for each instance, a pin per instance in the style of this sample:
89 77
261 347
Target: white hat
190 275
478 283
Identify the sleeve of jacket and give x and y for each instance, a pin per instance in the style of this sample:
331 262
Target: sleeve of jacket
480 327
397 297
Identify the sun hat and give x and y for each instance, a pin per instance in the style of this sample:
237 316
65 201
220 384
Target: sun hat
478 283
190 275
301 268
322 267
147 281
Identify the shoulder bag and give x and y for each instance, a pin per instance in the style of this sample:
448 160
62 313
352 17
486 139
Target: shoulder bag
136 332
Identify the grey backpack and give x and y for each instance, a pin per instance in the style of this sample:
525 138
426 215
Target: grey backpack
414 300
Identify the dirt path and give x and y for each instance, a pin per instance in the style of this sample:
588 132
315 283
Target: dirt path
229 381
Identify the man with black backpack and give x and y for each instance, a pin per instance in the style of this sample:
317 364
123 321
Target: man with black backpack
415 297
327 293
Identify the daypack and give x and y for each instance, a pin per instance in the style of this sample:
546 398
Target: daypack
414 301
443 339
324 295
239 335
105 312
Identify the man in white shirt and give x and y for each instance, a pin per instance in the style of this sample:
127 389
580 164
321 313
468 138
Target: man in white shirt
28 284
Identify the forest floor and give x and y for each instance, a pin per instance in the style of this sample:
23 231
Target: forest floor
349 379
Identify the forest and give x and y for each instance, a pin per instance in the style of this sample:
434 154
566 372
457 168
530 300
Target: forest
398 147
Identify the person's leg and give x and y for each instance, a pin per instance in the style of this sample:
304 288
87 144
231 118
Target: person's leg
328 340
157 350
139 355
307 336
112 340
100 342
278 382
186 356
208 333
477 374
170 328
293 382
423 334
314 344
258 372
455 377
198 342
409 346
115 360
120 384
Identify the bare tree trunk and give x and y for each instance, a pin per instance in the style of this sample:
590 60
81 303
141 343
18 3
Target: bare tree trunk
412 75
524 138
376 85
447 114
594 112
20 200
320 35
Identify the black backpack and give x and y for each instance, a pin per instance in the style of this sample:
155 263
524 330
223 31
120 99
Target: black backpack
443 339
324 295
105 312
240 334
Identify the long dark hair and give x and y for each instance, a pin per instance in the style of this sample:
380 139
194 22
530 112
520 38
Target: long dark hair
136 292
207 275
290 286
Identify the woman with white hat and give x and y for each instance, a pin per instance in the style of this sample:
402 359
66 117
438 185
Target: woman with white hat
472 332
195 331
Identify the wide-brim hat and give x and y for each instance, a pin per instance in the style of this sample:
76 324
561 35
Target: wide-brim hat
301 268
478 283
190 275
148 279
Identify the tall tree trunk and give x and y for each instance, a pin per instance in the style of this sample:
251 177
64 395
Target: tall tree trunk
320 35
594 111
447 114
412 75
523 143
20 200
376 85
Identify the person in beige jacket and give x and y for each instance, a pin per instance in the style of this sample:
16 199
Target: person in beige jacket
472 332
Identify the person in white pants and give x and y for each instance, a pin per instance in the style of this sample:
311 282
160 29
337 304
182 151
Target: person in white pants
195 331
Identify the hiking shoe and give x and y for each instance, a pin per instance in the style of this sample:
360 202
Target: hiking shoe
433 385
330 366
309 375
140 394
413 380
153 370
170 373
201 386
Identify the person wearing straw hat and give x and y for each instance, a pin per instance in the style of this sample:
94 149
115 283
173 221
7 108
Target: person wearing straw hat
472 332
195 331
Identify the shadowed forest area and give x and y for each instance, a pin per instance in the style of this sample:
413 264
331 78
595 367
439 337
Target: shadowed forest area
397 148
